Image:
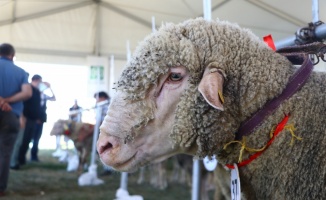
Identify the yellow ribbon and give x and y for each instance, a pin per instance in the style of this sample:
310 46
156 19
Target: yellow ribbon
289 127
243 147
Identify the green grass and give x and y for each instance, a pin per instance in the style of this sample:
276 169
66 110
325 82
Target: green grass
49 180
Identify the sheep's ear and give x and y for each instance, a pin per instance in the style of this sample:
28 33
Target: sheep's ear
211 86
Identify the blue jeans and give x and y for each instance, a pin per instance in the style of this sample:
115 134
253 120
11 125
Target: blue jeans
36 138
9 127
15 152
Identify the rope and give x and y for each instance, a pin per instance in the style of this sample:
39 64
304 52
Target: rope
274 132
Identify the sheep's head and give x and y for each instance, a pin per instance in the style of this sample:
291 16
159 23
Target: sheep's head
58 127
170 96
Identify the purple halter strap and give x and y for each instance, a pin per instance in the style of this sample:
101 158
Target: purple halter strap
297 80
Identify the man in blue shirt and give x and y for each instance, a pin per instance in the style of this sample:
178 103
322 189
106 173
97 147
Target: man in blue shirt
14 88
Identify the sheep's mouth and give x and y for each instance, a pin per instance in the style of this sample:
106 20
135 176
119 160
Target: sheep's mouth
125 165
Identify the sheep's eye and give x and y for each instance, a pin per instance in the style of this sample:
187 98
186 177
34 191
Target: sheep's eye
175 77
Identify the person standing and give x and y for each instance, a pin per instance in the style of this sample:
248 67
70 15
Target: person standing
76 116
42 119
101 97
32 113
14 88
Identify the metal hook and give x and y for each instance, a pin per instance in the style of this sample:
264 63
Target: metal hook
322 57
313 59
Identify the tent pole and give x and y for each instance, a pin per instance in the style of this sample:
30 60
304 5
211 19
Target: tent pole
196 176
14 6
124 175
97 31
315 11
153 24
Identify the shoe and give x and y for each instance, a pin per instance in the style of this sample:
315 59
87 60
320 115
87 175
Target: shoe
15 167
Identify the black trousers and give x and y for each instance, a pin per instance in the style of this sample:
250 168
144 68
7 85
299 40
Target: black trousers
27 137
9 127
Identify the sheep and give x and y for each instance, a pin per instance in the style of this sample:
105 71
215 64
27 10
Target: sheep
160 175
190 86
157 175
80 133
185 165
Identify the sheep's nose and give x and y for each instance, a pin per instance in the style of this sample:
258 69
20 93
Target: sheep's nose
103 145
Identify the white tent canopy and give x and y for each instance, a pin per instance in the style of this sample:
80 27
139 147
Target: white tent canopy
67 31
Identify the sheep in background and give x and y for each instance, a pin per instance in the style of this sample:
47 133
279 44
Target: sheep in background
157 174
184 168
160 175
80 133
160 110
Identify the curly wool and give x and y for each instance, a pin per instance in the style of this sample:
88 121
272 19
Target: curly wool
194 44
254 75
148 63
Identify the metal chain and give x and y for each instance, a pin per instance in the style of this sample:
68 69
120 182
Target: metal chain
307 35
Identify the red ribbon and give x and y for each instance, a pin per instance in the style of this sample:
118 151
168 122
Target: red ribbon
66 132
269 41
278 129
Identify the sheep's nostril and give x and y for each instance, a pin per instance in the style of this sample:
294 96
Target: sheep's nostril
105 147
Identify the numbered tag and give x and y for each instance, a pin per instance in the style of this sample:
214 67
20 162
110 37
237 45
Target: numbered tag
210 164
235 184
